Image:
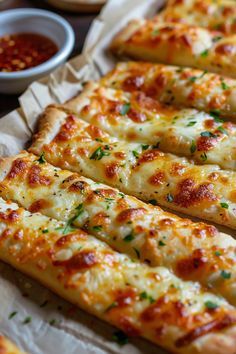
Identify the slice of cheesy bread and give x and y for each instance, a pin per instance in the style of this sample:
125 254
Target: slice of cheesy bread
145 172
193 251
177 44
213 14
7 347
136 117
141 301
182 87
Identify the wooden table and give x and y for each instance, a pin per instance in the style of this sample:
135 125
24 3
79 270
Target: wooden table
79 22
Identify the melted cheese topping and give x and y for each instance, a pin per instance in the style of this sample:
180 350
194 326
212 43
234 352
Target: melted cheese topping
193 251
138 118
204 191
7 347
177 86
213 14
178 44
139 300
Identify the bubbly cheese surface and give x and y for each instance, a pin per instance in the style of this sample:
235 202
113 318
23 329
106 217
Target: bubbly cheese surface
136 117
7 347
177 44
184 87
204 191
141 301
214 14
193 251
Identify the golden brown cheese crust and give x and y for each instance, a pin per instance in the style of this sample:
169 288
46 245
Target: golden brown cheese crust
177 44
7 347
152 303
214 14
136 117
181 87
193 251
203 191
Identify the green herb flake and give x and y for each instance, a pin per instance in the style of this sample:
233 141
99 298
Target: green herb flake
125 109
203 157
27 320
128 238
191 124
170 198
226 275
136 154
205 53
193 78
45 231
208 134
97 228
42 159
211 305
114 304
120 337
153 202
99 153
12 314
121 195
69 225
217 253
222 130
224 205
193 147
161 243
145 296
144 147
216 115
217 38
224 86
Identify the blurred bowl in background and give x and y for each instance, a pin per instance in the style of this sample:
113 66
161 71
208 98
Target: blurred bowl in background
40 22
78 5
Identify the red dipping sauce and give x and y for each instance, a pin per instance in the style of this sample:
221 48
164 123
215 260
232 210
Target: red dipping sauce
23 51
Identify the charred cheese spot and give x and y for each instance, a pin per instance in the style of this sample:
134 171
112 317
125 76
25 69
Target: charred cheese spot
78 186
226 49
125 297
136 117
5 234
128 327
18 168
190 194
80 261
157 179
38 205
150 155
177 169
209 123
11 217
79 235
133 83
106 192
120 155
36 179
67 129
213 326
205 143
130 214
192 266
95 132
111 170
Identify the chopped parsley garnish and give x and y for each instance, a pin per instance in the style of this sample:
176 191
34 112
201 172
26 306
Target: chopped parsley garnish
222 130
153 201
190 124
145 296
216 38
216 115
217 253
203 156
42 158
135 153
97 228
224 205
193 78
99 153
121 195
193 147
225 274
69 228
27 320
114 304
204 54
144 147
12 314
45 231
170 198
211 305
128 238
137 252
224 86
161 243
208 134
125 109
120 337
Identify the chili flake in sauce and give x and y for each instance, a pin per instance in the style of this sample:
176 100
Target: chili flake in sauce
22 51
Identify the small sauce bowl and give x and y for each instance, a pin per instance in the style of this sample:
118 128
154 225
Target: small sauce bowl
40 22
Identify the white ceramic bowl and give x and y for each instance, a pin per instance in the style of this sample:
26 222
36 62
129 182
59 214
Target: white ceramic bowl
40 22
